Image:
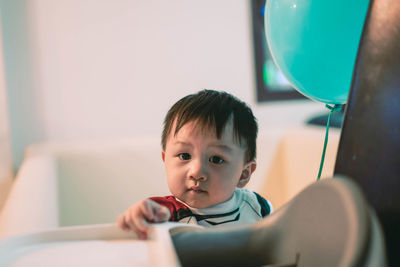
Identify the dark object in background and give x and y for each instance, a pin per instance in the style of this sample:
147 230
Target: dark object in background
369 148
336 120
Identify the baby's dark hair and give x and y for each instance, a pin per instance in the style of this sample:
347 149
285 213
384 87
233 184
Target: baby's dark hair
213 109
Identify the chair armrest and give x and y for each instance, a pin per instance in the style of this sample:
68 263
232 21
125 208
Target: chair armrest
32 204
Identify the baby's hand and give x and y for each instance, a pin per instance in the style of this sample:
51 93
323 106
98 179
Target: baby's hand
138 216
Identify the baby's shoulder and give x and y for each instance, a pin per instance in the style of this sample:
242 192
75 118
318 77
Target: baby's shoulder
245 194
254 200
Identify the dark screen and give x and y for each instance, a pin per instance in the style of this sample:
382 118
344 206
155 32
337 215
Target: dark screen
369 148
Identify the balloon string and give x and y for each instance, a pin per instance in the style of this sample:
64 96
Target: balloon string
336 107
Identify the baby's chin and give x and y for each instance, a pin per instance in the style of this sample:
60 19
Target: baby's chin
198 202
201 204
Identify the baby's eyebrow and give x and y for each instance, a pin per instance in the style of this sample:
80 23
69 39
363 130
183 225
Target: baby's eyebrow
182 143
225 148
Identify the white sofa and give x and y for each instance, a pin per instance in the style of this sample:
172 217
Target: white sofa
67 184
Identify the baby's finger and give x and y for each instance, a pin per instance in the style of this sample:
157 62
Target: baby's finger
134 220
149 209
140 223
141 227
122 224
163 214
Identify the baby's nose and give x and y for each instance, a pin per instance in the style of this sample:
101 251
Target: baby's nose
198 170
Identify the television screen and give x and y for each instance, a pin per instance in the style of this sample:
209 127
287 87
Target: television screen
271 83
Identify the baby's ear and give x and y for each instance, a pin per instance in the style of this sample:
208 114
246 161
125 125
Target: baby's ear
163 155
248 169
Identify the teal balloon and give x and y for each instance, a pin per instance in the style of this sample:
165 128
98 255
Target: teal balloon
315 42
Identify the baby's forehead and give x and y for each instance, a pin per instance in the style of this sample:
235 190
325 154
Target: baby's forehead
197 127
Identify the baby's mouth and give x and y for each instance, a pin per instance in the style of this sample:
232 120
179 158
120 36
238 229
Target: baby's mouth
197 189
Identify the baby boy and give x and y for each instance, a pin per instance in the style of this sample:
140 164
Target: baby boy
209 151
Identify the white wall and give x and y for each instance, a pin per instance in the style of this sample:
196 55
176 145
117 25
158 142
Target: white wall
84 69
5 144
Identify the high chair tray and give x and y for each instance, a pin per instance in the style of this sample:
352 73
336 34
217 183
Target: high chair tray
92 245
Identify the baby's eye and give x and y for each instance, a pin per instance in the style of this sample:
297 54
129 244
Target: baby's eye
184 156
216 160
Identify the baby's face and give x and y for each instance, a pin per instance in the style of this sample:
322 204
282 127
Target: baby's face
202 170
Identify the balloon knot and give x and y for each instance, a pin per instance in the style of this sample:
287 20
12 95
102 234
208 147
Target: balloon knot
335 107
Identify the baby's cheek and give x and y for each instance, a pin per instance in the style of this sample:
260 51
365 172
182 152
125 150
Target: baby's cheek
175 187
223 190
